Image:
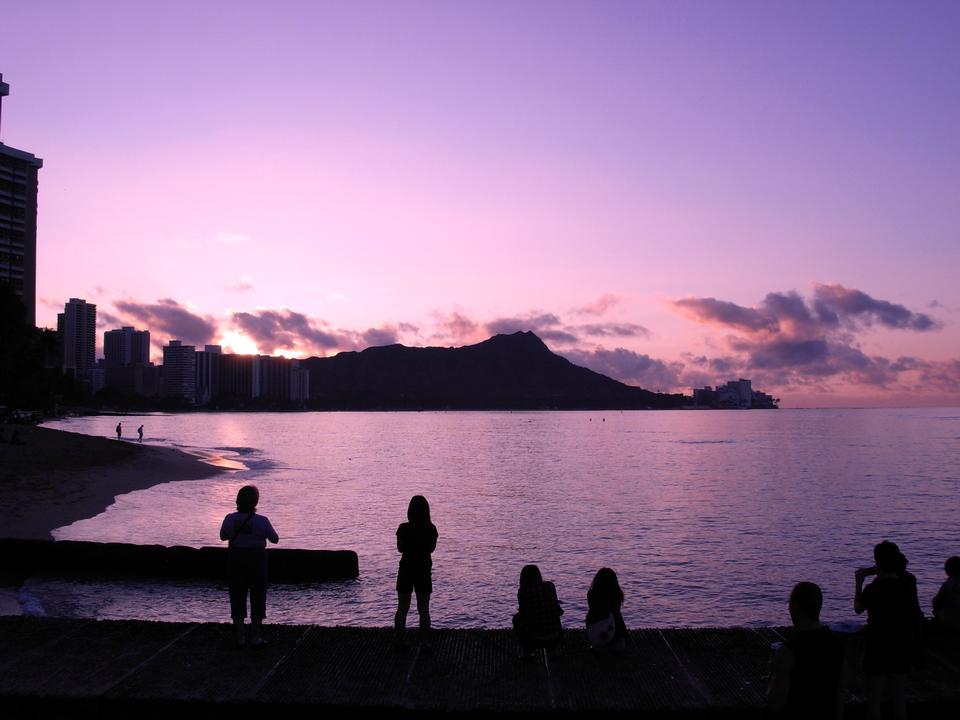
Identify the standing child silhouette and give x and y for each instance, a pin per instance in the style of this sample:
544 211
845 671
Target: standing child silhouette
247 533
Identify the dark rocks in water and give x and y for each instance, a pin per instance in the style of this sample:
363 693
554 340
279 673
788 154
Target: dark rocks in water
92 559
506 372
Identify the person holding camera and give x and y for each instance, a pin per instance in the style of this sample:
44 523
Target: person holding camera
890 603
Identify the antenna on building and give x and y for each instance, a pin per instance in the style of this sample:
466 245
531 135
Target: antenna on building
4 91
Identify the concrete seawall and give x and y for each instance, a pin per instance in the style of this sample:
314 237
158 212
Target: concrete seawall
52 667
65 557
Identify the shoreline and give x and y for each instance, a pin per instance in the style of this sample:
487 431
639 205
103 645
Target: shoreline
57 477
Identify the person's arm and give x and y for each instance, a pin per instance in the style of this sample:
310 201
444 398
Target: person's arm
552 589
779 686
619 624
861 575
400 539
226 529
433 539
271 533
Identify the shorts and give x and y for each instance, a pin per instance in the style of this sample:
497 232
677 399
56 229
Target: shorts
419 580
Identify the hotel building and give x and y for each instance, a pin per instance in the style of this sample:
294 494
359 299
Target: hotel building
18 220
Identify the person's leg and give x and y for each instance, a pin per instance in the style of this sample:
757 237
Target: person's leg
423 609
874 686
898 700
403 607
238 597
258 601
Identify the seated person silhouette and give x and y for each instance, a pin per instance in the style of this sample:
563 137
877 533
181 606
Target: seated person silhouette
946 603
806 681
537 622
606 630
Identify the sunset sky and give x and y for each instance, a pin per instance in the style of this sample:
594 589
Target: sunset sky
672 193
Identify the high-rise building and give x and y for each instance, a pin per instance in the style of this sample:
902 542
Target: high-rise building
271 378
208 373
77 329
179 371
235 381
299 382
18 220
126 346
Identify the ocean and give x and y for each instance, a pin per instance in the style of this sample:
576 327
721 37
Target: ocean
708 517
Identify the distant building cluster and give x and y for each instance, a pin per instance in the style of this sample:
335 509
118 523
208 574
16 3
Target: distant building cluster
736 394
188 376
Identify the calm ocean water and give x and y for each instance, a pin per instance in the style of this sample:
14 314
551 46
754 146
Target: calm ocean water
708 517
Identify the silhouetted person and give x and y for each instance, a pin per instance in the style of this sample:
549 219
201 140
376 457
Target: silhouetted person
247 533
119 431
537 621
807 672
15 438
946 603
919 620
889 602
605 627
416 540
140 433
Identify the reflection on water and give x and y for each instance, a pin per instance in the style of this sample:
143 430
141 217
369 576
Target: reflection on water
708 517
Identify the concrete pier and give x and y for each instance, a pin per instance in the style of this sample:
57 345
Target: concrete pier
58 667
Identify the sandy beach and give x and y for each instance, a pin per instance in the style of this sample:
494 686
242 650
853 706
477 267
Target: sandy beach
56 477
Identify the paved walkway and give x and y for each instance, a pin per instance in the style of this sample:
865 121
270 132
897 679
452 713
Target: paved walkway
58 667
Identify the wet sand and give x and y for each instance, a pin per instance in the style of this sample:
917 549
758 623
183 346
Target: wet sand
56 478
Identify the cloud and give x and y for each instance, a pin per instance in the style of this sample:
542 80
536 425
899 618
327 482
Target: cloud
599 306
455 327
386 335
856 306
241 285
546 325
169 318
612 330
105 319
284 329
274 330
231 238
725 313
787 339
630 367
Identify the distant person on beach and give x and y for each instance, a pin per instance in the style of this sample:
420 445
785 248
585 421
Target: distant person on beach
891 620
537 622
140 433
416 540
605 627
806 680
247 534
119 431
15 438
946 603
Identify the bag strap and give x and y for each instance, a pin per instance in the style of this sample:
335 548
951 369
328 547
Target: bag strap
237 531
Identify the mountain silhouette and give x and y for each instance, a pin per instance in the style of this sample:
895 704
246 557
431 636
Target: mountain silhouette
506 372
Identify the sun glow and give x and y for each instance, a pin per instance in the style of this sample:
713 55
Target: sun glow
238 344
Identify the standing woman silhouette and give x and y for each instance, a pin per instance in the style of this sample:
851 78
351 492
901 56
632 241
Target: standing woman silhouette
416 540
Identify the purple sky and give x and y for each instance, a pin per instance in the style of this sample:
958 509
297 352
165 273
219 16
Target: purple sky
671 193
